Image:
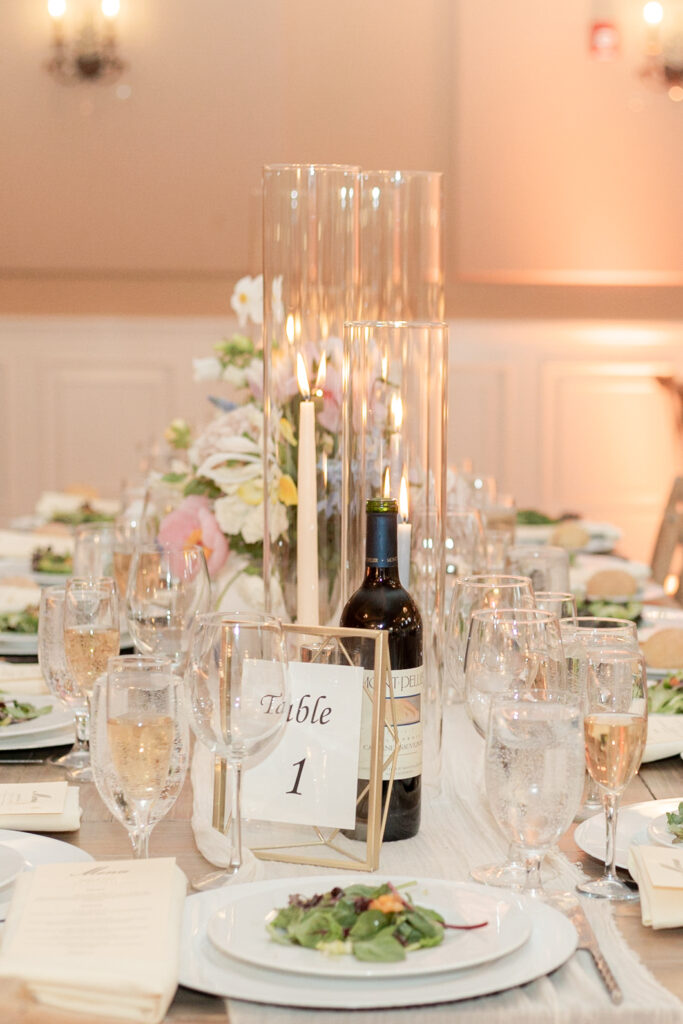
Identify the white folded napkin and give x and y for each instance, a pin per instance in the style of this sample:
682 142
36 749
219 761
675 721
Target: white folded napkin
21 679
15 598
99 937
68 819
664 737
22 544
658 870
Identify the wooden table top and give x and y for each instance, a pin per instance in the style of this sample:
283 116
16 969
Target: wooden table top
105 838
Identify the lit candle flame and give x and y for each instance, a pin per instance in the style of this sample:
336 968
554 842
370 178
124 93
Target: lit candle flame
322 373
403 498
289 328
397 411
385 366
386 490
323 462
671 584
56 8
302 377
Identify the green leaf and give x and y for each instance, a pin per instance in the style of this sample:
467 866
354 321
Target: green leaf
174 478
202 485
370 922
316 927
382 948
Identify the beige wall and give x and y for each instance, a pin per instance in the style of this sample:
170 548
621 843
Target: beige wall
562 175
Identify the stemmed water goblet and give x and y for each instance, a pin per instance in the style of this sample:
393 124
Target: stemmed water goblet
94 550
509 649
534 772
616 730
236 661
560 603
482 590
546 566
140 742
167 587
60 681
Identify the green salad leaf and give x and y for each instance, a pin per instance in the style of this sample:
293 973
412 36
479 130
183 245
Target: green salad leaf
25 621
674 823
12 712
666 696
374 923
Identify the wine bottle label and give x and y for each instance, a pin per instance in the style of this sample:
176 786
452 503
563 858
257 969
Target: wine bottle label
407 684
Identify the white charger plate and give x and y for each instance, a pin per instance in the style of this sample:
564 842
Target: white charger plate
18 643
54 738
11 864
664 737
633 822
553 940
240 931
36 850
58 718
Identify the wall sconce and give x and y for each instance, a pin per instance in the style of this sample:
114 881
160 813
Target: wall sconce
92 55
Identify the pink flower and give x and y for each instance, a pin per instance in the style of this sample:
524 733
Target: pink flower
330 415
191 523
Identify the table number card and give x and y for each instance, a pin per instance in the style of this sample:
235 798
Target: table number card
310 776
305 793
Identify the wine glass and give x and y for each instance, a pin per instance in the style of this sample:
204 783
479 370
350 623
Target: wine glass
464 544
483 590
236 661
140 742
560 603
582 635
167 587
60 682
534 772
616 730
509 649
547 567
94 550
91 628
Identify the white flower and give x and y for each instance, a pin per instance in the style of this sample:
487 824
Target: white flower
247 300
235 376
208 368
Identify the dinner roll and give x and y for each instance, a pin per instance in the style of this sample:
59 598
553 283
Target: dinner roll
664 649
570 536
611 583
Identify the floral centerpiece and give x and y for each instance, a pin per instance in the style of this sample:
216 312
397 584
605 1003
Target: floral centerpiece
223 488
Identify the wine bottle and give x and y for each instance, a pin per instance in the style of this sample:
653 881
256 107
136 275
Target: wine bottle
382 603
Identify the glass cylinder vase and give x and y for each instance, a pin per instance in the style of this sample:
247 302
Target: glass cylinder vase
394 445
401 240
311 287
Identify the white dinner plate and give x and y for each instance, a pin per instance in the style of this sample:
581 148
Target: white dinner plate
240 931
552 941
58 718
55 738
659 833
633 822
36 850
18 643
11 864
603 536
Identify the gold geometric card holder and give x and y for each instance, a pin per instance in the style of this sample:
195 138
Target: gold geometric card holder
320 796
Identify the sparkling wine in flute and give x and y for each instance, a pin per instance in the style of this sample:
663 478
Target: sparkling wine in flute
122 560
614 748
88 649
141 748
382 603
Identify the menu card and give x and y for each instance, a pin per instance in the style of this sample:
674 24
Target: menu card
99 937
40 807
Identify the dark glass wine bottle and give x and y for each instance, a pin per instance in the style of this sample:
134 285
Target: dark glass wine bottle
382 603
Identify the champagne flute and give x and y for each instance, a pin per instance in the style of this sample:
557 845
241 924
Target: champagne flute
91 628
167 587
482 590
237 675
509 649
140 742
547 567
534 772
60 682
582 635
616 730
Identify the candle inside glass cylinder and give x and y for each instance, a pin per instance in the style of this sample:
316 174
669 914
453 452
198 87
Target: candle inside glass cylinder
404 535
307 509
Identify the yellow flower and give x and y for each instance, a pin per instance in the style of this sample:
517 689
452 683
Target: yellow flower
251 492
286 491
286 431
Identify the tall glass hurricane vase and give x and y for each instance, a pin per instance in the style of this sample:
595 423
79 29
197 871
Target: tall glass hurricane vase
394 446
311 276
401 241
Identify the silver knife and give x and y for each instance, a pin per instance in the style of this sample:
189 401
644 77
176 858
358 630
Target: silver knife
587 940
